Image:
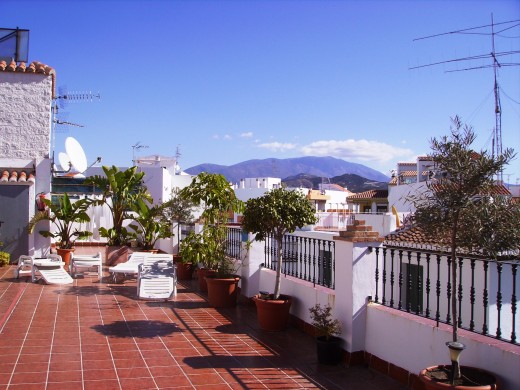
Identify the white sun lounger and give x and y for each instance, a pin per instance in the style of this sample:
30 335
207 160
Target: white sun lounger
129 268
50 269
157 278
83 261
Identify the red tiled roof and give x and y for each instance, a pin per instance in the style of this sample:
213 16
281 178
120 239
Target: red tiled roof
407 163
34 67
497 189
16 176
409 235
408 173
424 158
370 194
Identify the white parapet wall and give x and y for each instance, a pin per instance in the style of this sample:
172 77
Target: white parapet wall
414 343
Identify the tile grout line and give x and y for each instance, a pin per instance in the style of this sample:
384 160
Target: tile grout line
133 339
24 339
80 344
13 305
52 339
173 357
108 343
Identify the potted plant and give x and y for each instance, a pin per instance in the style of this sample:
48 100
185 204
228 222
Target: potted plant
64 215
180 210
327 330
120 191
461 210
208 247
278 212
150 224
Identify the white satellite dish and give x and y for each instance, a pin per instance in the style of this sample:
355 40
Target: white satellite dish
64 160
76 154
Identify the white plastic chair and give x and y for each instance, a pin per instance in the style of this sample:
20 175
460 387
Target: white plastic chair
129 268
24 266
83 261
157 278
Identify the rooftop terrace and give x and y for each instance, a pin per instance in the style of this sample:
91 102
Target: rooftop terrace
93 334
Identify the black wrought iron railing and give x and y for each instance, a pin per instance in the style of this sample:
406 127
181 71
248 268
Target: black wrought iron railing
419 282
309 259
234 242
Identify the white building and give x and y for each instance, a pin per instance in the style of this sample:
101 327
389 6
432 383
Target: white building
25 145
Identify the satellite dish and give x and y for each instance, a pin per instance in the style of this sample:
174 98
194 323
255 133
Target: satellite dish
64 160
76 154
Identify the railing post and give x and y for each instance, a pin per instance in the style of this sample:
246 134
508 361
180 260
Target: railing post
427 312
448 293
377 276
409 283
485 297
400 303
459 295
472 296
384 276
438 290
513 304
499 299
392 252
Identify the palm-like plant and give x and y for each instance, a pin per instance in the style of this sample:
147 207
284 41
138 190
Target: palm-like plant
120 190
64 215
151 225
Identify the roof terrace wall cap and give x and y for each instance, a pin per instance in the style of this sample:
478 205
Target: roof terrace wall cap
34 67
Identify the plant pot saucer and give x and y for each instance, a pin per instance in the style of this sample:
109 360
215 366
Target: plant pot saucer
437 377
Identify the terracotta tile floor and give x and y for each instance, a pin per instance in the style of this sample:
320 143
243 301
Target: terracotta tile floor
95 335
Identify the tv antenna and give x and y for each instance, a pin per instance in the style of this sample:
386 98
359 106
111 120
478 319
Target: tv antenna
137 147
495 64
60 102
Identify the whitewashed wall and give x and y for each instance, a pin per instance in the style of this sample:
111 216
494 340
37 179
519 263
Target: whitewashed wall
25 135
413 344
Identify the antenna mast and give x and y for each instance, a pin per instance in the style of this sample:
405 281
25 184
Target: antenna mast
497 139
61 101
137 147
497 131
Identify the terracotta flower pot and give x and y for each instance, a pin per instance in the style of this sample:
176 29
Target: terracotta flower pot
184 270
65 256
436 378
222 292
273 314
116 254
202 273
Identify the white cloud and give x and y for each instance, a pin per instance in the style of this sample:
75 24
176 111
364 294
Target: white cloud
227 137
351 149
277 146
247 134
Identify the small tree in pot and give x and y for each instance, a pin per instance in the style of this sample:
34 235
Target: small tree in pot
327 329
461 209
180 210
278 212
217 198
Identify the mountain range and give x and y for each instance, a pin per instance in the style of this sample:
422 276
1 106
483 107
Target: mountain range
315 168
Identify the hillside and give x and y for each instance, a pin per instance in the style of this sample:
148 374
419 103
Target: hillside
354 183
326 167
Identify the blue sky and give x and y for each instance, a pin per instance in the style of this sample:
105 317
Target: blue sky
228 81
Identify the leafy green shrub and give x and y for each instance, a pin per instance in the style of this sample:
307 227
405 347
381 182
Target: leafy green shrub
4 258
